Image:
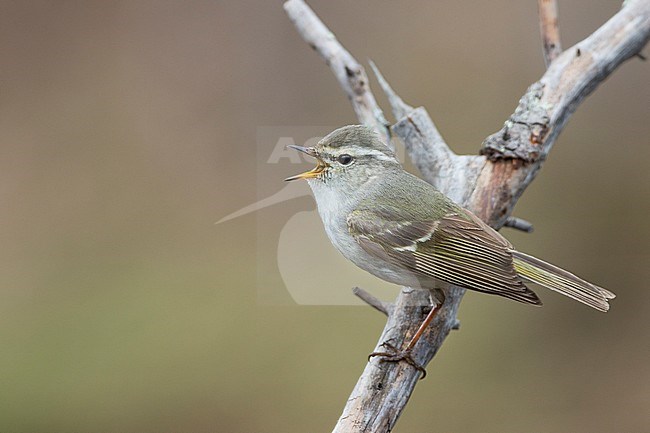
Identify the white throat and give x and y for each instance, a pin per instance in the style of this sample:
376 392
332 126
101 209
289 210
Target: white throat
333 205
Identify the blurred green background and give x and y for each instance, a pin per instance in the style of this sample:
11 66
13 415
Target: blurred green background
127 128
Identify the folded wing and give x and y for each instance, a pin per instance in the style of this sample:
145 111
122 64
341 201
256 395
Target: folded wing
457 248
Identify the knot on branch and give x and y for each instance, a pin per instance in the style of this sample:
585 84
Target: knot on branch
357 78
523 133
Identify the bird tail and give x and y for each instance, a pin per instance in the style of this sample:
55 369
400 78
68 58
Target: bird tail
545 274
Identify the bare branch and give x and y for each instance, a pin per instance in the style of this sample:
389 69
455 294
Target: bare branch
519 148
349 73
428 151
488 185
384 388
550 30
426 148
376 303
424 144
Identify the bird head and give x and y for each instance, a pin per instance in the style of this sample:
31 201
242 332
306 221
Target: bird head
347 158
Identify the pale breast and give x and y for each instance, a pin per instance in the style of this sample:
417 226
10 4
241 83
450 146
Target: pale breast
333 213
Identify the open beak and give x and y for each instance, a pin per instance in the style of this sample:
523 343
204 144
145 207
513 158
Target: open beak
320 167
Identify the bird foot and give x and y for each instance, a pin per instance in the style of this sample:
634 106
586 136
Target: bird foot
393 354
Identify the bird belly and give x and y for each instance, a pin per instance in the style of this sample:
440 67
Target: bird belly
333 210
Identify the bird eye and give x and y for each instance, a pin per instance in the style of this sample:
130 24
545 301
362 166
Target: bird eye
344 159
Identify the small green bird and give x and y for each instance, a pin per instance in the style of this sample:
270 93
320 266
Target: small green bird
403 230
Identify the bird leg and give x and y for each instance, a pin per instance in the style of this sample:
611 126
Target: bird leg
395 355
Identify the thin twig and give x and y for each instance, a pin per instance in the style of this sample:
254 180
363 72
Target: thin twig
376 303
550 30
400 108
519 224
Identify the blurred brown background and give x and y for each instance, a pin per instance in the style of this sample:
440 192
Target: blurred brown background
128 128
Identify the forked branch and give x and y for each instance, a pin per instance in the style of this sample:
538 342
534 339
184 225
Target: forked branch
488 184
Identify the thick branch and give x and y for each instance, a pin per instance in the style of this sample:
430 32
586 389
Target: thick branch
550 30
488 185
349 73
519 148
383 390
